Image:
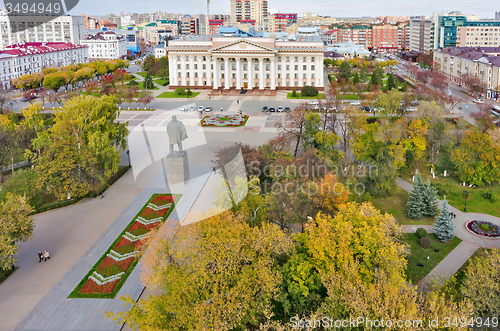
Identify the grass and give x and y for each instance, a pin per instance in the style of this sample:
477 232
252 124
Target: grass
112 295
418 254
162 82
353 96
319 96
143 74
396 206
4 274
142 87
175 95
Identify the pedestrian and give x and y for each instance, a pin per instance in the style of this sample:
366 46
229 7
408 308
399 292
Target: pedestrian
238 102
46 255
40 256
213 169
221 109
102 196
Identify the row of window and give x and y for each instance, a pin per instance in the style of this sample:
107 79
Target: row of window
245 67
296 84
245 76
287 58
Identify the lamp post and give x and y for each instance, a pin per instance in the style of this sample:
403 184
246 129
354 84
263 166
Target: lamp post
466 196
93 188
128 154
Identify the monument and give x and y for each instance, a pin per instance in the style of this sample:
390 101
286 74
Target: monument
177 161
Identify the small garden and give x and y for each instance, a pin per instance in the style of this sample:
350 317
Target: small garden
179 93
224 120
306 92
109 274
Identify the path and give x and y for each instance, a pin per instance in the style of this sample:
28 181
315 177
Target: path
470 242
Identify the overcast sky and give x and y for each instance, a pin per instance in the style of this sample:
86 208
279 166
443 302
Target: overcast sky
339 8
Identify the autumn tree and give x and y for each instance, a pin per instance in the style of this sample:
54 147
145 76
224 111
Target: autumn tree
293 126
15 225
389 103
54 81
345 71
218 274
437 134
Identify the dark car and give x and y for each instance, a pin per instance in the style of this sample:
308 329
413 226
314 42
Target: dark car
367 108
265 109
287 108
272 110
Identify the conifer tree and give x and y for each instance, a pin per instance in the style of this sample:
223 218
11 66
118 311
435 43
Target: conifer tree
415 206
429 199
443 228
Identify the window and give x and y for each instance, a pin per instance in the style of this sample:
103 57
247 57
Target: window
304 76
296 76
305 59
233 66
187 57
279 66
313 59
296 84
187 74
234 75
196 58
178 74
222 66
279 75
287 83
279 83
296 67
204 75
256 76
196 66
179 66
312 67
204 66
312 75
268 67
296 59
245 65
178 58
304 67
244 76
288 58
287 75
267 76
196 74
279 58
222 76
287 67
256 67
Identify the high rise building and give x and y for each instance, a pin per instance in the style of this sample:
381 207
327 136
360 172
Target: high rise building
249 10
421 33
479 34
497 15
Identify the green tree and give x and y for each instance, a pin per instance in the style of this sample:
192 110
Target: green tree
309 91
189 92
294 93
54 81
415 206
356 79
443 227
391 83
15 225
389 103
148 81
345 71
429 198
363 73
377 75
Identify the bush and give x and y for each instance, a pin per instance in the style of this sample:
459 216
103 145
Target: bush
180 91
421 232
309 91
294 93
489 195
133 82
485 227
425 242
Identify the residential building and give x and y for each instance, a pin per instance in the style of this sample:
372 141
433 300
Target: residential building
391 19
133 40
191 25
421 34
482 62
31 57
106 45
329 37
279 22
249 63
311 19
19 29
154 32
497 16
375 37
479 34
249 10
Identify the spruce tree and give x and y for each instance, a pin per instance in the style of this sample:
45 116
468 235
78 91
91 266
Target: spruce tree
429 199
443 228
415 206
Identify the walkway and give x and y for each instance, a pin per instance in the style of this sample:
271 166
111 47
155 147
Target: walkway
470 242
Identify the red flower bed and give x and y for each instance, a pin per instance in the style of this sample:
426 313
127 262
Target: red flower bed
92 287
123 242
160 200
150 214
138 225
122 264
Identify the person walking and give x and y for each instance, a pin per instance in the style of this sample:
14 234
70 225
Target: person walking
221 109
46 255
40 256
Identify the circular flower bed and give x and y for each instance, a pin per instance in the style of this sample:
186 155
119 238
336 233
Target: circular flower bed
483 228
224 120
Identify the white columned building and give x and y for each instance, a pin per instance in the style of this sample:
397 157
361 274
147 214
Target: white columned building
249 63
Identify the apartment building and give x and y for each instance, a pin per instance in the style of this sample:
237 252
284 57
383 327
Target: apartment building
479 34
421 34
106 45
250 63
24 29
375 37
256 10
279 22
482 62
31 57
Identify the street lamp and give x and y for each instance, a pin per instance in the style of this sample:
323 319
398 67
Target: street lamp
466 196
93 188
128 154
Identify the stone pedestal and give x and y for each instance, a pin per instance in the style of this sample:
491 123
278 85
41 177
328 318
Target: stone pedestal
177 167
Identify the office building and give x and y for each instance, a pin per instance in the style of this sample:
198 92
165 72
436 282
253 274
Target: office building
106 45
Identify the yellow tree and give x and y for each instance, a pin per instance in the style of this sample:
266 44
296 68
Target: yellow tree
415 140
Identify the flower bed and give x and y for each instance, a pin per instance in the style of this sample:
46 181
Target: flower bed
109 274
483 228
232 120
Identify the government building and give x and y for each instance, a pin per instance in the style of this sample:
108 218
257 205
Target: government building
246 63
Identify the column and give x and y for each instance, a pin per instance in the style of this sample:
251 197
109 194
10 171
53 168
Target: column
183 71
319 72
261 74
250 73
238 73
200 71
310 72
172 70
227 75
273 73
216 74
209 71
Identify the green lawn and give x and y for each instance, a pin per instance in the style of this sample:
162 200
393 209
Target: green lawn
143 74
95 94
5 273
396 206
141 87
175 95
319 96
162 82
353 96
418 254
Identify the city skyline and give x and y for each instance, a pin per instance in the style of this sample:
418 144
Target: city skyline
343 8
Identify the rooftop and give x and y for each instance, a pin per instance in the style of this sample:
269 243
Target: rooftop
29 48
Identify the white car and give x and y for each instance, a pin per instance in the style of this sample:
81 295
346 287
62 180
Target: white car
313 103
191 108
208 108
201 108
279 109
477 101
355 103
184 109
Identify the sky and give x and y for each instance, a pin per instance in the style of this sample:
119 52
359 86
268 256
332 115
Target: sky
340 8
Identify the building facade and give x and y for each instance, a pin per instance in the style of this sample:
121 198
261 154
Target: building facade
375 37
249 10
279 22
484 62
249 63
421 34
106 45
69 29
479 34
28 58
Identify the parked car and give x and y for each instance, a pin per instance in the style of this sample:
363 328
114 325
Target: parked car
265 109
411 109
272 110
280 109
208 108
355 103
367 108
201 108
184 109
477 101
313 103
287 108
28 98
191 108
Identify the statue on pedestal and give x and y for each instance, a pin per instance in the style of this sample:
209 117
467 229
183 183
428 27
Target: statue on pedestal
176 134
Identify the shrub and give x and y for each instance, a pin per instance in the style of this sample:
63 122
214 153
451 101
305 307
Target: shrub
489 195
294 93
309 91
133 82
180 91
485 227
425 242
420 233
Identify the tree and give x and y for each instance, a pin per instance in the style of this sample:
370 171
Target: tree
218 274
15 225
474 83
294 93
389 103
309 91
415 206
189 92
443 227
54 81
148 81
438 81
391 83
437 133
293 126
345 71
429 198
481 282
377 75
363 73
146 99
356 79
